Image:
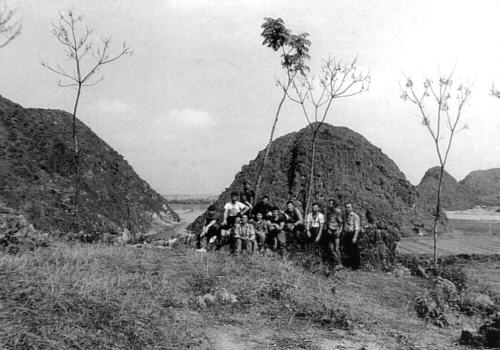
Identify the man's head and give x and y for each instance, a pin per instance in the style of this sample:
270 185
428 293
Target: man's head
276 212
234 196
237 219
332 203
315 207
246 185
211 209
265 199
348 208
244 218
259 216
289 205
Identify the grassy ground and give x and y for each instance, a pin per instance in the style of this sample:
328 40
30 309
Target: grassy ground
118 297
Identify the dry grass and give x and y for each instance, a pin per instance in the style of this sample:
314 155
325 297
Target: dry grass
111 297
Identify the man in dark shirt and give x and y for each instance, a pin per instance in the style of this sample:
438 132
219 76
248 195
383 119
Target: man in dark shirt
210 229
294 220
264 208
277 236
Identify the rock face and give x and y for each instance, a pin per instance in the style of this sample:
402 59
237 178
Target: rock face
348 168
454 195
37 176
485 184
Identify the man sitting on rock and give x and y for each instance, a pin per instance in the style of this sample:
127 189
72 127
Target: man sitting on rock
294 220
315 222
244 236
261 231
277 236
211 231
232 210
350 233
264 208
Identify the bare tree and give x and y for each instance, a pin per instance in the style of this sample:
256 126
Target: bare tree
9 27
316 96
443 122
294 53
85 60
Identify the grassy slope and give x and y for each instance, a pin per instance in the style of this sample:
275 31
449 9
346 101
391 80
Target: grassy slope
109 297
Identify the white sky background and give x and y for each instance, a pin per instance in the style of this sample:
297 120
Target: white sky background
197 98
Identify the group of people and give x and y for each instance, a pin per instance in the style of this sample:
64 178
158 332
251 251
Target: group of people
262 226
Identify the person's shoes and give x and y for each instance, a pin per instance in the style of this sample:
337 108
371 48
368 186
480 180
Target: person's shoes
212 239
339 267
201 250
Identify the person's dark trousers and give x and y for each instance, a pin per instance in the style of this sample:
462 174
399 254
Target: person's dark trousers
352 251
278 240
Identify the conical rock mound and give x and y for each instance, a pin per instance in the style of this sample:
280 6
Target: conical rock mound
37 176
348 169
454 195
485 184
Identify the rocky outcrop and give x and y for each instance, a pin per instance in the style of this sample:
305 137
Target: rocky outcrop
485 184
454 195
37 176
349 168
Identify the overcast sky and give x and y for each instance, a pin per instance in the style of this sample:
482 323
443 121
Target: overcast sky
197 98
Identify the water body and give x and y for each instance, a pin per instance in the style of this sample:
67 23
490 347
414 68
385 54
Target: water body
188 213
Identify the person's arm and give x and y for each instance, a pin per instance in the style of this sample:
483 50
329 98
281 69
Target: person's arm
206 227
300 219
356 224
244 209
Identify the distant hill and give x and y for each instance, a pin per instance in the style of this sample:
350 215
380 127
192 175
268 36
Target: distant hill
37 177
485 184
454 195
349 168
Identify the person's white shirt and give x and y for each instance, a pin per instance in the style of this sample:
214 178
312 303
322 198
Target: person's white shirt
315 221
235 208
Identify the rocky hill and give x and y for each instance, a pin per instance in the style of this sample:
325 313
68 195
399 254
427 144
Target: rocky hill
349 168
454 195
485 184
37 177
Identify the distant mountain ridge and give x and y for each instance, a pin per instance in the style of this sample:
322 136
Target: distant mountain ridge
485 184
37 176
454 195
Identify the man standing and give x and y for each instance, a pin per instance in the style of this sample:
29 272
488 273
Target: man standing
232 210
334 229
247 196
350 237
315 222
276 233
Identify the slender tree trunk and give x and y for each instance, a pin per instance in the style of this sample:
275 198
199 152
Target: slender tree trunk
311 174
268 147
76 217
437 215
